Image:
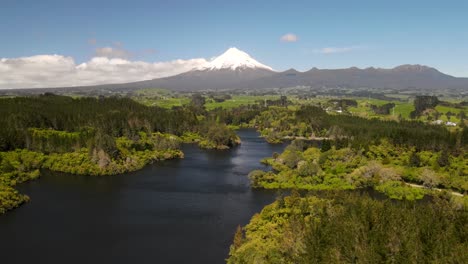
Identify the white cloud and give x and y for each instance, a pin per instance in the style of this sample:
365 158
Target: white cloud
333 50
289 38
60 71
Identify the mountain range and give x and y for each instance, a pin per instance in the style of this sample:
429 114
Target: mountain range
237 70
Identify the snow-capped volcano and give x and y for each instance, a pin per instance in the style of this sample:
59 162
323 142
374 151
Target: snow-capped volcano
227 71
234 59
236 70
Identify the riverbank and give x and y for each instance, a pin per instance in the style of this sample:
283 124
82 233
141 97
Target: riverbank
23 165
153 213
386 168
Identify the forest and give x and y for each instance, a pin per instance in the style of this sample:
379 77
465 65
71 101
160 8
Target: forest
95 136
392 170
362 190
341 227
393 186
313 122
403 159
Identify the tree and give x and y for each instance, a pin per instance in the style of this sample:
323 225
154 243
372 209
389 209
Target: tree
291 158
429 178
424 102
197 103
305 168
106 143
383 109
238 238
283 100
220 134
255 177
326 145
443 159
198 100
414 160
462 116
449 115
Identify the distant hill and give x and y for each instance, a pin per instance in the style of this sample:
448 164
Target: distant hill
236 70
414 77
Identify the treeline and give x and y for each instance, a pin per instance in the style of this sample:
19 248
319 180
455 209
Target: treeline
343 103
382 109
115 117
238 116
357 132
361 132
50 141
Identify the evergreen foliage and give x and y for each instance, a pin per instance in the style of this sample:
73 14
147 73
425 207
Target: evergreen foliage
352 228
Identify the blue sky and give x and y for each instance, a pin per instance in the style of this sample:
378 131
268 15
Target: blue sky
331 34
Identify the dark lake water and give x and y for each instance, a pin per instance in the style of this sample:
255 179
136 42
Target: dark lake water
177 211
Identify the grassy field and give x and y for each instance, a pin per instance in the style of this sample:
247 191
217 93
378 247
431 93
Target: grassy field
160 97
238 100
153 91
170 102
404 109
399 96
167 99
403 103
445 109
363 109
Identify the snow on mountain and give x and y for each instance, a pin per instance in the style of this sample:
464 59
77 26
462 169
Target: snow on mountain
234 59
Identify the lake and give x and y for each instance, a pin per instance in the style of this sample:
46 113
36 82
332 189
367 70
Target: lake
177 211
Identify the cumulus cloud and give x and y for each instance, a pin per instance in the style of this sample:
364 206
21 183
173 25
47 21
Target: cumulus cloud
333 50
289 38
60 71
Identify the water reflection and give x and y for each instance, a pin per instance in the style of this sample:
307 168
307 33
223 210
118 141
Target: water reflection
177 211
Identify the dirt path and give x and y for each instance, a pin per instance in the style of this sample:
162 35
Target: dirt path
437 189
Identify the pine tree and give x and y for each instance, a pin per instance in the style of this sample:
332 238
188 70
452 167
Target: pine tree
238 237
443 159
326 145
414 160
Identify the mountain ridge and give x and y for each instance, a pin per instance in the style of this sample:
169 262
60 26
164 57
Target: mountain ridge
236 70
406 76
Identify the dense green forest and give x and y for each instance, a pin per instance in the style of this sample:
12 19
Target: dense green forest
340 152
95 136
345 227
114 117
308 121
384 167
337 155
